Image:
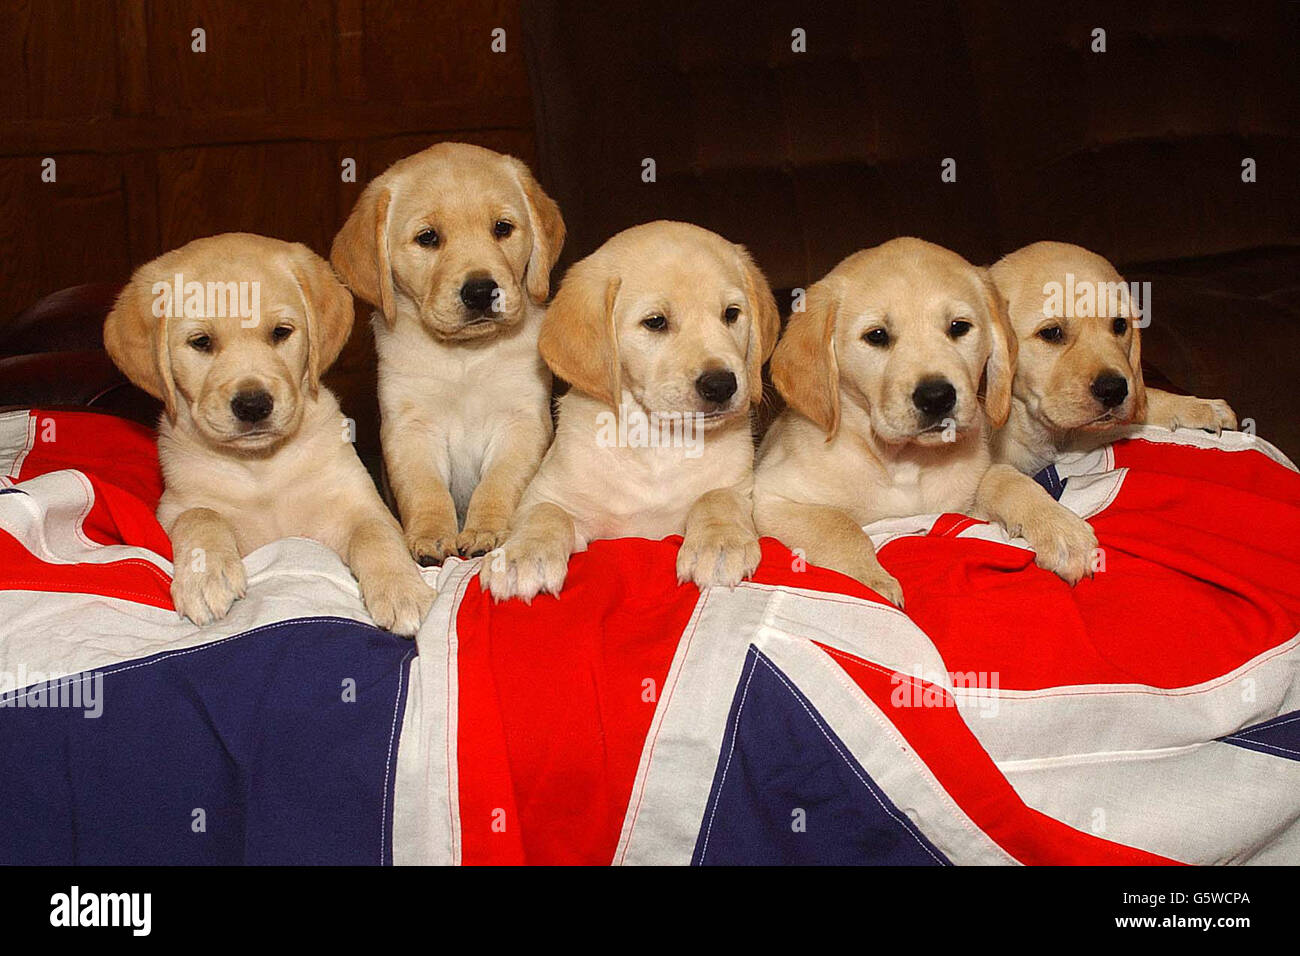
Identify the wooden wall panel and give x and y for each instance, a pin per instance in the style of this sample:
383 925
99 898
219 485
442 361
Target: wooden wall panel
86 206
454 49
269 56
284 190
58 60
157 144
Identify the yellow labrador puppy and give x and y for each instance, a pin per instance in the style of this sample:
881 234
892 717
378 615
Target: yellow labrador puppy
1080 373
881 374
662 334
454 248
233 332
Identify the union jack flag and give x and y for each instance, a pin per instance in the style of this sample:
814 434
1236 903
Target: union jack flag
1149 715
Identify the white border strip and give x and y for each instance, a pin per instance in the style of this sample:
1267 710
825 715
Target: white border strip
61 633
426 802
1209 804
17 433
1096 719
48 518
1103 458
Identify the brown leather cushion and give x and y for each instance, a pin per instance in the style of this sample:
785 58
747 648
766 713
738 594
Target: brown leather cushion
70 319
81 378
52 354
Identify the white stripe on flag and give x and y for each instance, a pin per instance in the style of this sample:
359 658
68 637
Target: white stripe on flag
48 521
1103 459
60 633
426 805
17 432
686 737
1209 803
1097 719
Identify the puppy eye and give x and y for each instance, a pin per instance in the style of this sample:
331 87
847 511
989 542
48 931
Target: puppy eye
958 327
281 332
1119 326
656 323
428 238
877 337
731 314
1052 333
502 229
201 343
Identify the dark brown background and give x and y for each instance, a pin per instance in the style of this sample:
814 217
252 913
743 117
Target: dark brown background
804 157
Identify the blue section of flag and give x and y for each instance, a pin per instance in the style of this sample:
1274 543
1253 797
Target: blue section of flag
787 790
244 750
1050 479
1279 736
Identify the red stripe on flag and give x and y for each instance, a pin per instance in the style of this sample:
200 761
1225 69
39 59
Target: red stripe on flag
964 769
1199 579
782 568
1250 470
120 458
951 525
117 462
553 710
131 579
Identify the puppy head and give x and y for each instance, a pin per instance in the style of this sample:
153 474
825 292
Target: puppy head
670 312
904 331
1080 350
454 238
229 332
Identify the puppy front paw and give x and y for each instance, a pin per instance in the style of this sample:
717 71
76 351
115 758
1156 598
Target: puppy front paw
204 588
524 567
881 581
399 602
1186 411
430 546
476 541
1063 543
718 557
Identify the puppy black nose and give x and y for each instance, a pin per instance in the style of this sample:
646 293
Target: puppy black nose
1110 389
477 294
716 386
252 405
935 397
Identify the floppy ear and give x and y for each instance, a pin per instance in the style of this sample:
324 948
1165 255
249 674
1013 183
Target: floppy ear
328 310
804 368
136 340
764 323
578 340
1000 370
1135 366
360 251
547 228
